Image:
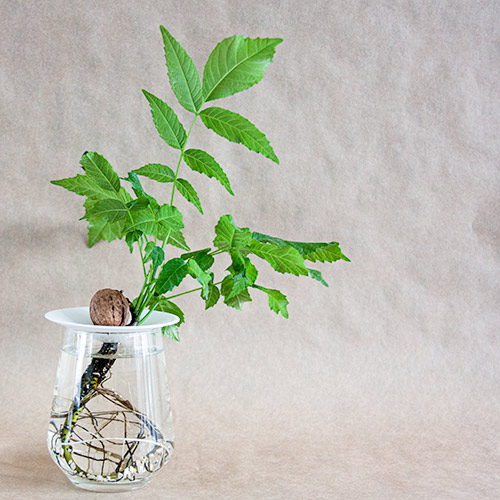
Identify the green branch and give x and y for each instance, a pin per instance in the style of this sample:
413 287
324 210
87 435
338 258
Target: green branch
180 159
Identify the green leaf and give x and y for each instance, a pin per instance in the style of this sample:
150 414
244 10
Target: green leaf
242 270
139 190
277 301
227 285
157 222
202 162
162 173
171 275
203 278
85 186
171 332
109 209
112 231
147 250
96 225
165 305
237 262
136 184
235 128
229 235
166 122
237 301
234 285
237 64
78 184
82 186
322 252
241 263
195 270
188 191
143 221
131 238
169 217
212 297
316 275
122 195
326 253
242 275
204 260
100 171
182 73
250 271
202 257
283 259
157 257
176 239
265 238
157 172
100 229
139 204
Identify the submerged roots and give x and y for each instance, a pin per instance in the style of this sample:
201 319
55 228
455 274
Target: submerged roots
103 437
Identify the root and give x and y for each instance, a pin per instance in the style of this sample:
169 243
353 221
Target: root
83 449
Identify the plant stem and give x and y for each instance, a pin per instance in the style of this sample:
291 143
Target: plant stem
177 173
190 291
174 296
142 257
141 302
180 158
146 315
216 252
149 277
144 300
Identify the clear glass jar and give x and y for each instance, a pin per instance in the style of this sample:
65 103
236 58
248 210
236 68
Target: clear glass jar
111 424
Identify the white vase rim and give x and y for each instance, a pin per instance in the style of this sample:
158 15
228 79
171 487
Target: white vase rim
78 318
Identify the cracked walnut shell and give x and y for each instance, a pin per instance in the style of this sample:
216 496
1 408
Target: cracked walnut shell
110 308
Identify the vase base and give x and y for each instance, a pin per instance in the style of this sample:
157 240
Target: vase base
104 487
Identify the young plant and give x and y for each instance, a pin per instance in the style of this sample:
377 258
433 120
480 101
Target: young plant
120 208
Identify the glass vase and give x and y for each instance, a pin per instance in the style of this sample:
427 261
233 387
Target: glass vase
111 423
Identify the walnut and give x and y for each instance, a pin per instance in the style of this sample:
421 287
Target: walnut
109 307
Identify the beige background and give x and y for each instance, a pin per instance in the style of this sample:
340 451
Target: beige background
385 117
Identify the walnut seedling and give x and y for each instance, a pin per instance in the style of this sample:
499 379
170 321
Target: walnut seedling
110 308
118 207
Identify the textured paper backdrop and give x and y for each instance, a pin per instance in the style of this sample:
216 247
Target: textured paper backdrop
385 118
